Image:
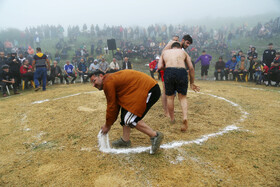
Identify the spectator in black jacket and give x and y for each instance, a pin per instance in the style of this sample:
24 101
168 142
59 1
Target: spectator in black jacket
14 65
56 72
126 64
269 55
7 79
252 53
3 60
220 68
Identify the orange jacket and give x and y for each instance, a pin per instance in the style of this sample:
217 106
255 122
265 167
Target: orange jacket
127 89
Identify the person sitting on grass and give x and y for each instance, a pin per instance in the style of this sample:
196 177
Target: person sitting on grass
242 67
69 71
6 80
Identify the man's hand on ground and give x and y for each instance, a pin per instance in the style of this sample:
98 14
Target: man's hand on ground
195 88
105 129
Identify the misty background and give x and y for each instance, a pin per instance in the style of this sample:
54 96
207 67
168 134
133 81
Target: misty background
22 14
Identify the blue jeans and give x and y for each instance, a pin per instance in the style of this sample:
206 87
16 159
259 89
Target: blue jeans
40 74
258 76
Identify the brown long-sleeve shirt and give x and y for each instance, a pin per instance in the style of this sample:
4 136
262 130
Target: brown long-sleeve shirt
127 89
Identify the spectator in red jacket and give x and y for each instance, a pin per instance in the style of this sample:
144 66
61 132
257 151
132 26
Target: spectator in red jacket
153 67
26 72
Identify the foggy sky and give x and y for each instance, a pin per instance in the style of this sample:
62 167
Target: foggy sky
24 13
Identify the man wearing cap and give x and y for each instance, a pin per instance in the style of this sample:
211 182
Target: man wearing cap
269 55
7 79
41 63
94 66
205 63
153 66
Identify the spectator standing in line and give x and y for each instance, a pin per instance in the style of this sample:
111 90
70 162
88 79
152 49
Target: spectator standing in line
153 66
269 55
205 63
126 64
69 71
56 72
114 66
220 68
253 52
251 70
274 71
104 66
94 66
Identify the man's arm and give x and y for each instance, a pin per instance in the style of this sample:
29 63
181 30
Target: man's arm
161 62
112 107
198 59
168 45
33 65
48 63
191 72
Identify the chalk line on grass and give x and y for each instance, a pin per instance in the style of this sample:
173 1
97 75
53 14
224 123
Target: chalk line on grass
72 95
104 145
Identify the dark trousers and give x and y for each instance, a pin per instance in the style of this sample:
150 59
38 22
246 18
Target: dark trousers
204 70
222 74
237 74
27 77
17 78
227 72
4 87
52 77
274 75
84 76
71 75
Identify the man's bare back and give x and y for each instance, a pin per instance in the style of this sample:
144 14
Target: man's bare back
174 58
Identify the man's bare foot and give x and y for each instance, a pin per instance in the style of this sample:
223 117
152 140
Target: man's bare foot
167 115
172 121
184 126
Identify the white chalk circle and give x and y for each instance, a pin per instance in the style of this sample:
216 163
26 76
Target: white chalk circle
104 145
103 140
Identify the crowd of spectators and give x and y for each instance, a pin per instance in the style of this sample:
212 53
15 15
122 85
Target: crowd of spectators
249 67
137 42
